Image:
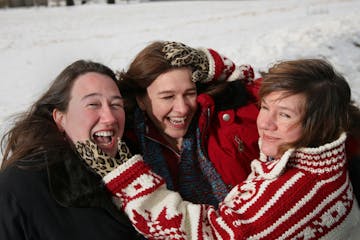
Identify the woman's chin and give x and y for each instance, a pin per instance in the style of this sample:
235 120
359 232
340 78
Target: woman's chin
270 152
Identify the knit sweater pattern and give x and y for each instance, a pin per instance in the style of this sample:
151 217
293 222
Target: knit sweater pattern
306 194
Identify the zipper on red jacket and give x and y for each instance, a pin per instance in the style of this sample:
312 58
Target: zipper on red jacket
204 132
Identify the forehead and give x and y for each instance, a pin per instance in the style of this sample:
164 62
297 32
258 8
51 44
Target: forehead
175 79
93 82
286 100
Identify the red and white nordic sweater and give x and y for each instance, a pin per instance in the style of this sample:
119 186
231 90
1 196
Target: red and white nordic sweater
306 194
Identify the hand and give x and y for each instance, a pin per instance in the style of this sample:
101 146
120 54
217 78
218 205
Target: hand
181 55
99 161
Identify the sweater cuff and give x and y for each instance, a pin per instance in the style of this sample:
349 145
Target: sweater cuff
122 168
132 180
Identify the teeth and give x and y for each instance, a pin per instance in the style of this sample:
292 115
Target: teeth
177 120
104 133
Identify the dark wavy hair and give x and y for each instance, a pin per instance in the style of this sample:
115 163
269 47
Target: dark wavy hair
35 131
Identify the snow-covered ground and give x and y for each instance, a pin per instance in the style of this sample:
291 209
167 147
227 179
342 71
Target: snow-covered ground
37 43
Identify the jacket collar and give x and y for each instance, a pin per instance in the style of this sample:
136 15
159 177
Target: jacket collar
73 184
327 159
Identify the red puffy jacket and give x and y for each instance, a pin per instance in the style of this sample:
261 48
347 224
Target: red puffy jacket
230 135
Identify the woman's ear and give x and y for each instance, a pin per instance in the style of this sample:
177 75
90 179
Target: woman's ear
141 102
58 117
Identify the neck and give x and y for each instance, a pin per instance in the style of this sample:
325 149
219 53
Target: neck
175 143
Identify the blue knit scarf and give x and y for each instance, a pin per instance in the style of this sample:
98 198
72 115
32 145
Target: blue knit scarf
199 182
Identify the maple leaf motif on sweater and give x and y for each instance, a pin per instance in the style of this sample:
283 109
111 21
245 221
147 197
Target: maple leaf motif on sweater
169 227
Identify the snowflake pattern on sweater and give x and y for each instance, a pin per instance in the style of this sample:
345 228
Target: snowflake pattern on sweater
306 194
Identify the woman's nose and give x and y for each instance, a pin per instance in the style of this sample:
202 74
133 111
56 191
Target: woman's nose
267 121
107 115
181 106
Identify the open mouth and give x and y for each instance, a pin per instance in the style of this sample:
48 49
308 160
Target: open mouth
104 138
177 121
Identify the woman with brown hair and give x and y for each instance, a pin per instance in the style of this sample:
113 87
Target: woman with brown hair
191 113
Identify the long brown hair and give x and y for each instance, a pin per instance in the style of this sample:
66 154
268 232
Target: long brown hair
143 70
329 110
35 131
148 64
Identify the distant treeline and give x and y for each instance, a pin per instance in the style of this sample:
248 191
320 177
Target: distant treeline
30 3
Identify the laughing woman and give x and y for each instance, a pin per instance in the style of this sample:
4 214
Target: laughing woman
46 191
191 113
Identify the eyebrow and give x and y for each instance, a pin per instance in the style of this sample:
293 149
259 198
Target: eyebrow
98 94
294 110
172 91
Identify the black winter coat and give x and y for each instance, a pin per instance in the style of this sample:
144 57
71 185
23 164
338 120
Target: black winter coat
59 199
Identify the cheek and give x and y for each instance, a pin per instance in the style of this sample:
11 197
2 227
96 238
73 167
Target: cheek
149 103
79 126
293 133
159 110
259 122
192 109
194 105
120 116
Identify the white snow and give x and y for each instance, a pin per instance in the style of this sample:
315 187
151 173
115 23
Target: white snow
37 43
